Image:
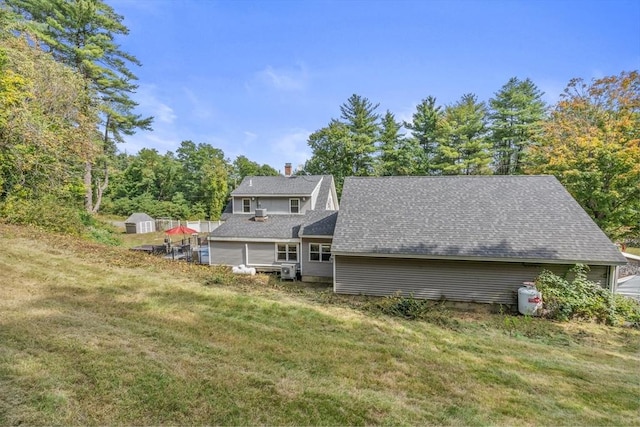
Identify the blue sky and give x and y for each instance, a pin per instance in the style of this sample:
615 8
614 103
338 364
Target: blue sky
255 78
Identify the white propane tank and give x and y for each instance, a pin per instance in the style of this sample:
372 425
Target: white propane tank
529 299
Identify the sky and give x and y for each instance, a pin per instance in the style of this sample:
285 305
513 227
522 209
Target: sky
256 78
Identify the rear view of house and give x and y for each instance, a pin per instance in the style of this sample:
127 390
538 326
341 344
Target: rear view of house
462 238
276 221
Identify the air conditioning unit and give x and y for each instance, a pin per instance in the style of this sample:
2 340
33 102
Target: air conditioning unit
261 214
288 271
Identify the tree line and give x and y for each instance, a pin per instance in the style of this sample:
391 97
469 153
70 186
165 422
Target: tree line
590 140
468 137
192 183
65 104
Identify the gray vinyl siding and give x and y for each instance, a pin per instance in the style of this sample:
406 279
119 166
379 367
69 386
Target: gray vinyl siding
261 253
273 205
314 268
251 254
226 253
471 281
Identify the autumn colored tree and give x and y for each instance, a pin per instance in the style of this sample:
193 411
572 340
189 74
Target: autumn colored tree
591 143
45 134
81 34
43 130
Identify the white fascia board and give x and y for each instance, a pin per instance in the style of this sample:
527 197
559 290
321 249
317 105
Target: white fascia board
271 195
472 258
252 239
630 256
316 237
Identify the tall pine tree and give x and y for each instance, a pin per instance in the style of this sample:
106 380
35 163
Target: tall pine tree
516 114
424 132
463 147
81 34
346 147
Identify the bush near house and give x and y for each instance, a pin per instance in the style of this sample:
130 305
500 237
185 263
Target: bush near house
581 298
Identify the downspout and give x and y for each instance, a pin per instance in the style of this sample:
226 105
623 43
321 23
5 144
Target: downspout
334 272
613 278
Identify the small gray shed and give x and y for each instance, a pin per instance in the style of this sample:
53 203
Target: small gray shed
140 223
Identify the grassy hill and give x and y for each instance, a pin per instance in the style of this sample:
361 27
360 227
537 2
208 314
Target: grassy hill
100 335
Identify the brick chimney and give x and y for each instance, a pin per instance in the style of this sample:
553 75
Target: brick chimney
287 169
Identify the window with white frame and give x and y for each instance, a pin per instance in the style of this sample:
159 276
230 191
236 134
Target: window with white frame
294 206
320 252
287 252
246 205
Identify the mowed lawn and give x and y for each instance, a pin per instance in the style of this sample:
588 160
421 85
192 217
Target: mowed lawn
91 335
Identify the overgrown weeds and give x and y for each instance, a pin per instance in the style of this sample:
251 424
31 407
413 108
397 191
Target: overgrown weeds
581 298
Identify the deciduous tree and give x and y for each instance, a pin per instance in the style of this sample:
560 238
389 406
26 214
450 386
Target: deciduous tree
332 153
44 128
591 143
242 167
204 176
346 147
81 34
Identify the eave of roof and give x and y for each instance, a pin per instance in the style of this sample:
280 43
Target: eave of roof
475 258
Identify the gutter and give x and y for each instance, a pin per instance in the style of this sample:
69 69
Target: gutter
476 258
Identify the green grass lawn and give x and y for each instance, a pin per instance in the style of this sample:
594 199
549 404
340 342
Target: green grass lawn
93 335
634 251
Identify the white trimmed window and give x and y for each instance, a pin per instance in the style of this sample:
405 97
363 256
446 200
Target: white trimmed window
287 252
246 205
320 252
294 206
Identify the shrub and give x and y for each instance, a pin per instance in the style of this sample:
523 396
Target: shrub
47 213
221 276
104 235
413 309
398 306
583 299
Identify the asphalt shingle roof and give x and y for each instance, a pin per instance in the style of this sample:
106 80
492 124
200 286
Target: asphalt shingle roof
496 217
302 185
138 217
319 223
323 194
244 226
